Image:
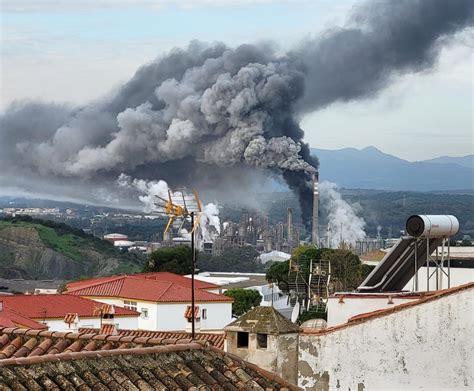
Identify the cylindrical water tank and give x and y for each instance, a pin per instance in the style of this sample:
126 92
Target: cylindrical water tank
432 226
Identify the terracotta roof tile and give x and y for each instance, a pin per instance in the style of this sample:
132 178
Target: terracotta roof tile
158 276
55 306
146 289
9 317
160 337
189 366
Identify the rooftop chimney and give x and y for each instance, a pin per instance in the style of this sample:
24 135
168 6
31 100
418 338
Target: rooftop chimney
315 220
72 321
107 320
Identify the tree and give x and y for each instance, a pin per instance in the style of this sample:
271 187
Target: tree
244 300
347 271
170 259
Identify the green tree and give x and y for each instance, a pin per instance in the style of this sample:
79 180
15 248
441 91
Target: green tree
347 271
170 259
244 300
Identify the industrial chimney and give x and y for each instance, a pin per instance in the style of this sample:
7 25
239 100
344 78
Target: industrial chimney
290 228
315 220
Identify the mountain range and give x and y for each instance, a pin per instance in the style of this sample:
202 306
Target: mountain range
370 168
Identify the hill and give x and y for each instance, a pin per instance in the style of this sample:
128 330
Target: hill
465 161
370 168
42 249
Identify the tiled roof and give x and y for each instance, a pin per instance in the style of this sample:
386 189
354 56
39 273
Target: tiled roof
265 320
185 366
56 306
159 276
355 320
215 339
12 318
147 289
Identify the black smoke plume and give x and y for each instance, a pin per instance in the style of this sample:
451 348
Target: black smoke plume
211 115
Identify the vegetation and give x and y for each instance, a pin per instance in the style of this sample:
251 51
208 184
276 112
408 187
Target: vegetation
244 300
238 259
88 253
170 259
347 271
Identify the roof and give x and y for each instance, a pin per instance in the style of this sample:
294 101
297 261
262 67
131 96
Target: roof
81 362
162 276
215 339
355 320
147 289
12 318
57 306
266 320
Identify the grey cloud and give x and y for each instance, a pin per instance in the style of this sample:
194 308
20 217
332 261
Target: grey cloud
213 116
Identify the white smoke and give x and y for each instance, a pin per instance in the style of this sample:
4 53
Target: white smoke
344 224
149 191
210 222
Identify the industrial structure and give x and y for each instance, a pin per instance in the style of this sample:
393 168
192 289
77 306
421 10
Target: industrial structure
315 219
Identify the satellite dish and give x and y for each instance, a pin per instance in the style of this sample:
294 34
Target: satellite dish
296 312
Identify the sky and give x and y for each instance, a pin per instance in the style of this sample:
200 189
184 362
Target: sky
77 51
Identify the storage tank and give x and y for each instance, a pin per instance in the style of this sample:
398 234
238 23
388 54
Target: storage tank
432 226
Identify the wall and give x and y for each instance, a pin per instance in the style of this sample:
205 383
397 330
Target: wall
125 322
427 346
170 317
459 276
280 356
339 313
149 323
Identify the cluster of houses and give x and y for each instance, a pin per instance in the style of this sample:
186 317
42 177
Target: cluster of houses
133 332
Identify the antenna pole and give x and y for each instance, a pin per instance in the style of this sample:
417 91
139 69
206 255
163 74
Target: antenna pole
193 304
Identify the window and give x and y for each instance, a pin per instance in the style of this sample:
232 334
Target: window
242 339
144 312
130 305
204 313
262 341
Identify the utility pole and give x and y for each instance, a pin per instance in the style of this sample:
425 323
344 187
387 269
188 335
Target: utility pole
193 258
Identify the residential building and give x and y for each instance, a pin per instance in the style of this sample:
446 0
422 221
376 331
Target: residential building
163 300
51 360
62 312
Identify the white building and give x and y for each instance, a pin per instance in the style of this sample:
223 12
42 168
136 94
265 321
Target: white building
57 311
163 300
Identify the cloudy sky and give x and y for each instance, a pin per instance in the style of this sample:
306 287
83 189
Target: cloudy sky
77 51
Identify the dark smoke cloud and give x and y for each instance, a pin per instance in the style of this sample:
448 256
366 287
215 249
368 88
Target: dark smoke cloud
212 116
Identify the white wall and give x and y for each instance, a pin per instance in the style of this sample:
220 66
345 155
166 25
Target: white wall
125 322
171 316
427 346
149 323
459 276
339 313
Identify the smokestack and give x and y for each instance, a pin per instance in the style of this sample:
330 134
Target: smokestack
315 221
290 228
